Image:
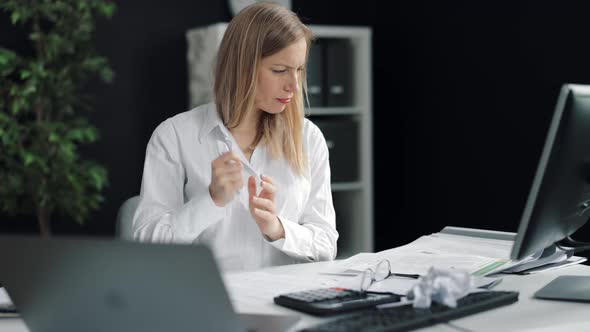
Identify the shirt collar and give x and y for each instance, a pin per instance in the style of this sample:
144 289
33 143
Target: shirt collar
211 121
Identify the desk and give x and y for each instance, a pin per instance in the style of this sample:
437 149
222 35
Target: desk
527 314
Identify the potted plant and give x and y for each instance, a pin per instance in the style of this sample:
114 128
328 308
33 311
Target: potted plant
42 103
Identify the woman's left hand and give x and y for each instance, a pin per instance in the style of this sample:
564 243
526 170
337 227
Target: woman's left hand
262 208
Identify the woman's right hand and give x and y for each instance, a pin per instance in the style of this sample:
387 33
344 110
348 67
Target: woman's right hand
226 178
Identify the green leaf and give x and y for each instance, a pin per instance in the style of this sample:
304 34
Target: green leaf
14 90
24 74
53 137
67 151
82 4
29 89
107 9
97 176
75 135
6 56
90 134
14 17
28 158
107 75
95 63
35 36
16 106
8 61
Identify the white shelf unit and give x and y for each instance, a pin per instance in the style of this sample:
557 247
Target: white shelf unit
353 200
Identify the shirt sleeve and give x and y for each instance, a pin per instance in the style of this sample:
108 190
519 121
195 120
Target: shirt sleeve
313 237
162 215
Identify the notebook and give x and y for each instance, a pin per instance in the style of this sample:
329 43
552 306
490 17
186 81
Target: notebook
66 284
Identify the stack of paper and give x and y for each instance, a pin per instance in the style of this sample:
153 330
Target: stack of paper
6 307
473 240
481 253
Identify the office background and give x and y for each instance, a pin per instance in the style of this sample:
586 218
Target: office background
463 95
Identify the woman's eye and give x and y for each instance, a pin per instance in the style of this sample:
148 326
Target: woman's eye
279 71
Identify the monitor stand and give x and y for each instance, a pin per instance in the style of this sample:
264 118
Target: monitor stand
569 288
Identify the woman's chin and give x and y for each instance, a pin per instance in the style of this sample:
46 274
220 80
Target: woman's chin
275 110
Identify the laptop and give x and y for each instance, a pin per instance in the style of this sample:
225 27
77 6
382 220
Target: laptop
105 285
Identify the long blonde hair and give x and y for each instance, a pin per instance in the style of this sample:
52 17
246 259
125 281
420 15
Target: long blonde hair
259 31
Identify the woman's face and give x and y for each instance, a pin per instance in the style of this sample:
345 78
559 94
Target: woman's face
279 77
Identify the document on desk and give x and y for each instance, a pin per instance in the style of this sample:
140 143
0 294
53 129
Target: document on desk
552 266
481 252
499 244
453 244
418 262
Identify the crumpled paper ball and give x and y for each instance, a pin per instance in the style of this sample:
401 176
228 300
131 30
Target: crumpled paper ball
444 286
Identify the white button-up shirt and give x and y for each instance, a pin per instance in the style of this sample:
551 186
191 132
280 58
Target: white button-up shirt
175 204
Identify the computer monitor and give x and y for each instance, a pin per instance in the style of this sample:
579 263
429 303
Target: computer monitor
559 203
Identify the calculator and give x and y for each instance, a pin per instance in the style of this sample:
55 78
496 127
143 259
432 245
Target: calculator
327 301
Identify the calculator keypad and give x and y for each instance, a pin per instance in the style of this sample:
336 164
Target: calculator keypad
324 294
323 301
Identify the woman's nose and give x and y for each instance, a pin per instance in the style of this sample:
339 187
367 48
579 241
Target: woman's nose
293 83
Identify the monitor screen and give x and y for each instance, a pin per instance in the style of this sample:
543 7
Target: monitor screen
558 203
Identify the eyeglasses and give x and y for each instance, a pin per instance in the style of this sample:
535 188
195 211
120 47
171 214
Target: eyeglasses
381 272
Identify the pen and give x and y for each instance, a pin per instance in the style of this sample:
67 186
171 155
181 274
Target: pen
406 275
8 310
228 145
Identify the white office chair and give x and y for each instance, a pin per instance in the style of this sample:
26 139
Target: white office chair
124 226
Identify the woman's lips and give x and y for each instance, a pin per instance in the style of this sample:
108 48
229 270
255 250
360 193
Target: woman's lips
284 100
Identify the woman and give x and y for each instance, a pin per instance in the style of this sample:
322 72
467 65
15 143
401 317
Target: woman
247 175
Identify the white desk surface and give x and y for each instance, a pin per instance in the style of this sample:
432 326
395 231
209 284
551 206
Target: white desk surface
527 314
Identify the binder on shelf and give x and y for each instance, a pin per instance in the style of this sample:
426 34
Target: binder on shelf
315 75
342 138
338 66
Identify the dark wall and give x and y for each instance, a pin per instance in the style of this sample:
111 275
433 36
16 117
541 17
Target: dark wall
468 91
463 95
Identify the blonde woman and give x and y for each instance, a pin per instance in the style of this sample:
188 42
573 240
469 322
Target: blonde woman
247 175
